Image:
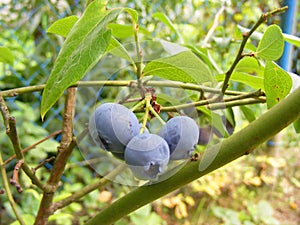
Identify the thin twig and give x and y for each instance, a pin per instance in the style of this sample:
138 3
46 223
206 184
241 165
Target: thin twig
42 163
8 192
247 101
246 36
214 104
32 146
87 189
214 26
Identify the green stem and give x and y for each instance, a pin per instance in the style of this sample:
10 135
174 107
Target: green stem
8 193
146 115
138 105
246 36
139 53
121 83
237 145
156 115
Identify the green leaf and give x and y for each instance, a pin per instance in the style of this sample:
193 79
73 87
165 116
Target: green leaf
250 80
117 49
294 40
82 49
277 83
63 26
271 45
27 218
248 113
6 55
251 66
120 30
164 19
133 13
185 67
297 126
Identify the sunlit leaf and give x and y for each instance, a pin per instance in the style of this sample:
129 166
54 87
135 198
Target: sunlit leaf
121 30
294 40
117 49
165 19
63 26
6 55
28 219
133 13
277 83
297 125
83 48
250 80
185 67
271 45
251 66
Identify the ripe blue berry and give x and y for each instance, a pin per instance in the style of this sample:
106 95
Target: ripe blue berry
147 155
112 126
181 133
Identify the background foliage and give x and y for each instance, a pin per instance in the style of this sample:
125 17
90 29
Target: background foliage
259 189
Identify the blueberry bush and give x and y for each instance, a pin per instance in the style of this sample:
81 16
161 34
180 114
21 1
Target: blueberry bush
163 117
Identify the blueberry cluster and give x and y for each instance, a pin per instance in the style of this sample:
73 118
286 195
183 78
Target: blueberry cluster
116 129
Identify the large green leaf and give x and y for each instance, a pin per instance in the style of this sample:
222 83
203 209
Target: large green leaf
63 26
184 66
6 55
84 46
277 83
271 45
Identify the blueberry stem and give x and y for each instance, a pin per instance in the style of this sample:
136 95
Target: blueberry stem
157 115
147 99
138 105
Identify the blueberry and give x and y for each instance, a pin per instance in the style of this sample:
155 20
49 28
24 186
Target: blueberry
112 126
147 155
181 133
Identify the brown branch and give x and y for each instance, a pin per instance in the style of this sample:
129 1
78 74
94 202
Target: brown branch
33 146
64 152
5 114
11 131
